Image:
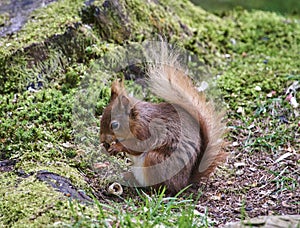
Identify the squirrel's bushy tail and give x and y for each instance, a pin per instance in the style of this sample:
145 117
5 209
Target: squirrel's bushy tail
170 81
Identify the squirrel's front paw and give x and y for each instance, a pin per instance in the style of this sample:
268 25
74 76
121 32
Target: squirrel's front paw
114 149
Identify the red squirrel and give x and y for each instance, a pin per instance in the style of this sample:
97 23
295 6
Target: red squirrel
174 143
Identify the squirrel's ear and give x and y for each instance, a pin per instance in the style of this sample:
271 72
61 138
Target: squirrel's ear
117 88
125 103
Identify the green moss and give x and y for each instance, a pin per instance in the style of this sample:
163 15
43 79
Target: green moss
43 23
25 199
27 202
263 55
4 19
30 118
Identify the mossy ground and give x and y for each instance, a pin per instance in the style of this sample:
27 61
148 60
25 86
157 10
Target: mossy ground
254 54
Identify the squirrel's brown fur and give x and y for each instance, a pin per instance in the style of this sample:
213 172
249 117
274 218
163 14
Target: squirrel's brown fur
171 144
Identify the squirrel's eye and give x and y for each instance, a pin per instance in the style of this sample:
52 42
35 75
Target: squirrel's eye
114 125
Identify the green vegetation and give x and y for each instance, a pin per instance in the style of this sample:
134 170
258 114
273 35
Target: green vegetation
255 55
147 212
289 7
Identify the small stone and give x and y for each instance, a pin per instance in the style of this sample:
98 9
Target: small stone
233 41
257 88
239 164
240 110
239 172
235 144
294 102
254 185
67 145
248 208
271 94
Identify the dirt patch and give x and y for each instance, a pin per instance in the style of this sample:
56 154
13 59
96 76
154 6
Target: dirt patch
252 185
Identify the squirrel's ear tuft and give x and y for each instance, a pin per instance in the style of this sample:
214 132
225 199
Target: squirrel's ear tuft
117 88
